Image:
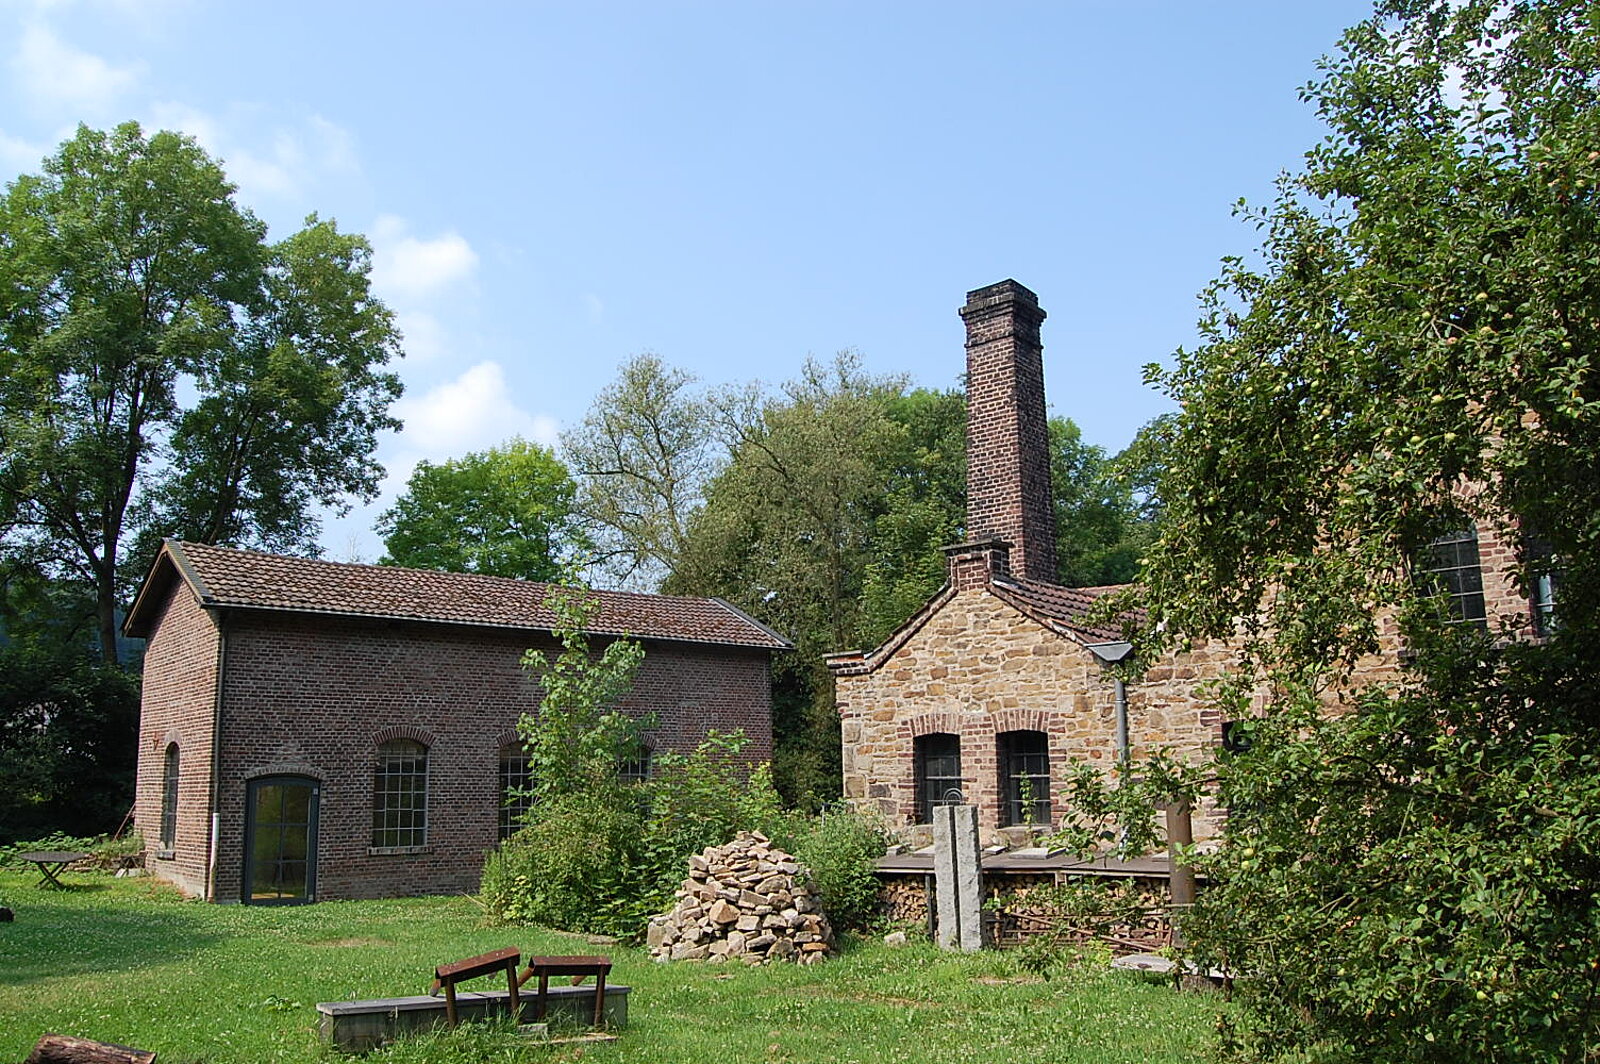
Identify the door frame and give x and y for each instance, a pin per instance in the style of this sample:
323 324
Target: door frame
313 814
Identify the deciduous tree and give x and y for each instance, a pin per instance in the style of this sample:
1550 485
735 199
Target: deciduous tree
166 371
642 456
507 511
1409 876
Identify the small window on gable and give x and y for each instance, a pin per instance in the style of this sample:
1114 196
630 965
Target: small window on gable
169 797
938 773
1024 777
400 795
515 801
1449 567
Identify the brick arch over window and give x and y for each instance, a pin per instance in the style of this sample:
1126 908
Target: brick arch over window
285 768
935 723
507 737
404 731
172 736
1036 720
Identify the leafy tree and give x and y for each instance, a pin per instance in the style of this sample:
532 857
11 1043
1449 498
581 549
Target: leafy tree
166 371
66 749
643 454
1410 876
578 738
507 511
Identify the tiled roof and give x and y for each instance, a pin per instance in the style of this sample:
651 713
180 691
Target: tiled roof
1062 607
241 579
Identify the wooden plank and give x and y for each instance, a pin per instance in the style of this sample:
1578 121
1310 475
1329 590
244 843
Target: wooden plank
65 1049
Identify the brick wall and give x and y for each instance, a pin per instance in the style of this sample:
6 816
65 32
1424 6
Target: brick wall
976 667
1008 440
178 705
979 668
313 696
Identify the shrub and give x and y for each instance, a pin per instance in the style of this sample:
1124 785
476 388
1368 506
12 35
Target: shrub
607 859
577 865
841 848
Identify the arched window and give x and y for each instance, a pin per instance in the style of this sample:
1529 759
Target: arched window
515 801
938 769
400 795
1024 758
169 798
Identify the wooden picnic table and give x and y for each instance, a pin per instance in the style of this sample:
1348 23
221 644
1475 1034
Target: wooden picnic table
51 862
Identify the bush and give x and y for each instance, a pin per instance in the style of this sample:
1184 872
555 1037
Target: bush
607 859
841 848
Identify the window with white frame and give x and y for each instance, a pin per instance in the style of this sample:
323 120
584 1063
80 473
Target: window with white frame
1449 567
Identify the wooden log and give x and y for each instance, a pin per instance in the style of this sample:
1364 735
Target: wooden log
65 1049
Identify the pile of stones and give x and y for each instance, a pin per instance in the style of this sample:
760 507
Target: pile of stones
746 901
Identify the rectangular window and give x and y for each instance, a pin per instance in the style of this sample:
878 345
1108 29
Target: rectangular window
938 773
1025 777
635 769
515 801
1449 567
400 795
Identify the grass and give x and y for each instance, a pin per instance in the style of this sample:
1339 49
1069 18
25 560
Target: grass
129 961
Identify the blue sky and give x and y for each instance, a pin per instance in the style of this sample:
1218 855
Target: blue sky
551 188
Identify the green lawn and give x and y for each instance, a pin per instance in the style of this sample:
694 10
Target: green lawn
126 961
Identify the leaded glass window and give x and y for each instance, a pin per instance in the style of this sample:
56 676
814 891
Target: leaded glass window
400 795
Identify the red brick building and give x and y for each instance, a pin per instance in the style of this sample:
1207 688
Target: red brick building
314 730
997 684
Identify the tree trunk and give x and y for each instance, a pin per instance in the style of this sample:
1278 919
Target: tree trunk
106 610
65 1049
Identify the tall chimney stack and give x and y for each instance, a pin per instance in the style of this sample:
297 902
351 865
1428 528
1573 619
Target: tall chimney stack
1008 437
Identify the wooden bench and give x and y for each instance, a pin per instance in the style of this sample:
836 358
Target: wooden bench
446 976
580 968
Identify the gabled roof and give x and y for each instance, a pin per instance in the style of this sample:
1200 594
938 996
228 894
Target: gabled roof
1060 609
223 578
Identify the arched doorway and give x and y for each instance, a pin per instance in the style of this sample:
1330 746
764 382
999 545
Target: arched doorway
280 840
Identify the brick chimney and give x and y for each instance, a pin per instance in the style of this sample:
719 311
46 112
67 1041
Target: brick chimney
1008 442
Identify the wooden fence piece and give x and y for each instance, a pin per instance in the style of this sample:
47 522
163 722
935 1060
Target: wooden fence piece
65 1049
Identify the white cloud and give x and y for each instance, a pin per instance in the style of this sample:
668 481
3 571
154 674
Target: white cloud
425 337
55 77
18 156
264 159
595 307
405 267
470 413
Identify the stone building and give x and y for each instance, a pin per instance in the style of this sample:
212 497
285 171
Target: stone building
998 682
312 730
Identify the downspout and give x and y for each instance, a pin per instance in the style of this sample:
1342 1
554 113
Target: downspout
214 802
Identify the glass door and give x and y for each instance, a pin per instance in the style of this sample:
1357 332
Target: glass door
280 841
